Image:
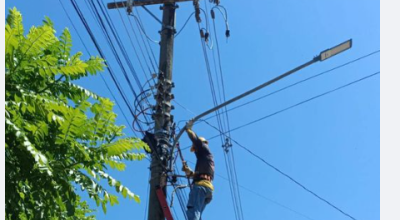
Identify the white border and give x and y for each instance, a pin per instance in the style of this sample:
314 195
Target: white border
390 110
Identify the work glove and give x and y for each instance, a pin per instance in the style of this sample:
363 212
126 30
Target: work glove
189 124
189 172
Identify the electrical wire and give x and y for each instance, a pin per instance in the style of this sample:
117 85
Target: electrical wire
143 31
120 45
110 42
228 153
281 172
102 77
228 163
183 27
110 70
152 58
102 55
133 71
118 40
174 215
147 195
299 103
133 46
264 197
181 195
140 47
93 38
285 109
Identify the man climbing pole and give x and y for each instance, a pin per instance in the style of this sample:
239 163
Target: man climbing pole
201 188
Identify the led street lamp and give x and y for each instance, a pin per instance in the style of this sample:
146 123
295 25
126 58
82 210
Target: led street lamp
335 50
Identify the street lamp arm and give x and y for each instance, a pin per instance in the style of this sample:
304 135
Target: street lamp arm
321 57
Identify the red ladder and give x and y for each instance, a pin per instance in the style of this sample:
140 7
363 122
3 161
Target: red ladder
163 203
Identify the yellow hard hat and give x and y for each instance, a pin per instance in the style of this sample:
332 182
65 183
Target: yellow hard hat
203 140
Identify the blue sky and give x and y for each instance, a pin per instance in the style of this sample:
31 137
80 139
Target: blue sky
330 144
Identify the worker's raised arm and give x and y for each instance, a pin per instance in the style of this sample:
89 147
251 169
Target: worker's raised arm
193 136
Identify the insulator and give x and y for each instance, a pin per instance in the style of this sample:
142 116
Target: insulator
206 36
202 33
227 33
166 104
197 14
160 87
168 84
212 14
161 76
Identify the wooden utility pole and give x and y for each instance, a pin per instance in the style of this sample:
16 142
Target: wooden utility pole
162 110
162 115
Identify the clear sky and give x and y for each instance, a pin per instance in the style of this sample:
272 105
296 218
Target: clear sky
329 144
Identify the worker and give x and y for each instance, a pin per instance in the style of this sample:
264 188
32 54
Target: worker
201 188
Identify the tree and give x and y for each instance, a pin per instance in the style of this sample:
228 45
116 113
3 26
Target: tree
59 136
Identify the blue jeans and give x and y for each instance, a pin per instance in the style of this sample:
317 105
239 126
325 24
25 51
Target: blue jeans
199 197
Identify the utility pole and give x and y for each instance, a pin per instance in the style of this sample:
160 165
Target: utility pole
158 209
162 115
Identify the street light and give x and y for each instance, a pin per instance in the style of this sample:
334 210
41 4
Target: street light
326 54
335 50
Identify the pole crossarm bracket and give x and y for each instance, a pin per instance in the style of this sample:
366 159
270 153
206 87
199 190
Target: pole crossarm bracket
131 3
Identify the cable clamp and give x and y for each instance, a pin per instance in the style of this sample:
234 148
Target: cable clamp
168 27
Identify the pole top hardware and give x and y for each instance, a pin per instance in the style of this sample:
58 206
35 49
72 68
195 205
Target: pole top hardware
129 4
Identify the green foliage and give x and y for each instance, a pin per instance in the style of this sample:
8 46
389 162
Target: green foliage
52 145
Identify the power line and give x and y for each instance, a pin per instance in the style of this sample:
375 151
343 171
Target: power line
110 70
144 72
182 196
152 58
230 151
264 197
137 40
148 190
275 168
295 181
302 102
133 46
228 162
142 29
287 108
276 203
286 175
120 45
184 25
73 25
87 27
102 77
